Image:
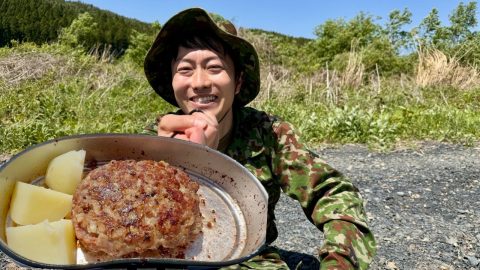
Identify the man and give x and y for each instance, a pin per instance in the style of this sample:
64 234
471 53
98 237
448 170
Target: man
210 74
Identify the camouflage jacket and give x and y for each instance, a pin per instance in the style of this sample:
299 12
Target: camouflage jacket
274 153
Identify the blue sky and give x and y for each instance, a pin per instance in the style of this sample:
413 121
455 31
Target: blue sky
296 18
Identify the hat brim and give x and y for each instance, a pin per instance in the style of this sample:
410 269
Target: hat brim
157 64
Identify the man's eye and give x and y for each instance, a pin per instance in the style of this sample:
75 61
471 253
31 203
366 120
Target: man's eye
215 68
184 70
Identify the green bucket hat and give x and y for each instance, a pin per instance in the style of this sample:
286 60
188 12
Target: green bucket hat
157 65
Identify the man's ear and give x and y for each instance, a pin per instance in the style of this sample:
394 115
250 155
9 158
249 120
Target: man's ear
239 84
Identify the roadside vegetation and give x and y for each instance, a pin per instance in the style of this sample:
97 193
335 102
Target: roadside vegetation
359 81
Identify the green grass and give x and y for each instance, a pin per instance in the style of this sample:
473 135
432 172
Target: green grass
384 119
381 129
93 97
77 94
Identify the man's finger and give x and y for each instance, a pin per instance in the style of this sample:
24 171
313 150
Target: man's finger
196 135
210 119
179 123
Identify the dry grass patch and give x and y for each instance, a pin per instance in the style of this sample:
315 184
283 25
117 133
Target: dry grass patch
19 67
326 84
435 69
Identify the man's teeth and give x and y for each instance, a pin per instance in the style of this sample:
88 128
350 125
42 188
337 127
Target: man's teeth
204 100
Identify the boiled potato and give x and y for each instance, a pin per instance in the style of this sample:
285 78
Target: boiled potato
32 204
65 171
52 243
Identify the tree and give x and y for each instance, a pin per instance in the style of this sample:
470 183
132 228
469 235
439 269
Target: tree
430 28
397 20
338 36
83 32
466 42
462 19
139 44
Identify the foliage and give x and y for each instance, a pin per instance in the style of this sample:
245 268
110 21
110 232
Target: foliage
83 32
338 36
468 51
79 94
381 122
277 49
397 36
462 20
358 81
139 44
40 21
380 56
430 29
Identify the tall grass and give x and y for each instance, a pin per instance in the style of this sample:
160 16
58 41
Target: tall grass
435 69
440 101
52 91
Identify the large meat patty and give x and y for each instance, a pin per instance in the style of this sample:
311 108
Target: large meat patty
136 208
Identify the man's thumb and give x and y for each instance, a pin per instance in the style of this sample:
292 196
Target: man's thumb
195 134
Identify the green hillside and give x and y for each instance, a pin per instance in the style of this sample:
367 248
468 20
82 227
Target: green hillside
40 21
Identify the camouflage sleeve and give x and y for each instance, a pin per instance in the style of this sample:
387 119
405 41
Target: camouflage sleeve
329 200
150 129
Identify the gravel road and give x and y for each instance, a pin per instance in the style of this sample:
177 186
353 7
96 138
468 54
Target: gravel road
423 205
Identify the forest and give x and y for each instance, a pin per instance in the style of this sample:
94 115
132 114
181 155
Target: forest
41 22
68 68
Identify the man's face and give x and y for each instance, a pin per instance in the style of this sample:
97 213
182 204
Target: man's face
204 79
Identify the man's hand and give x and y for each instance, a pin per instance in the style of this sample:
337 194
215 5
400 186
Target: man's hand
199 127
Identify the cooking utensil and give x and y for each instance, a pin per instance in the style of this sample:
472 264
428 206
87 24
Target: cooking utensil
234 212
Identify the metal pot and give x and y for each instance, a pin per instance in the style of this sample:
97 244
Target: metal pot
234 198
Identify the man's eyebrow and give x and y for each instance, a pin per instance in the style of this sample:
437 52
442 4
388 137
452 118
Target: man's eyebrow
183 59
177 60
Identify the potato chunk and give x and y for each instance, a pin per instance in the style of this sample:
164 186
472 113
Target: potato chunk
65 171
45 242
32 204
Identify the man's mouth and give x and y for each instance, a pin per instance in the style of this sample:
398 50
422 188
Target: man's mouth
203 99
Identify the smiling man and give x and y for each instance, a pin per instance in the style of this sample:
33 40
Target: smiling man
210 74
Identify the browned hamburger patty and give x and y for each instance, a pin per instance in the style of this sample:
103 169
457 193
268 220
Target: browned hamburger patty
136 208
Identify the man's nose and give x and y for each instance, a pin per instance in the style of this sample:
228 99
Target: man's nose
201 80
